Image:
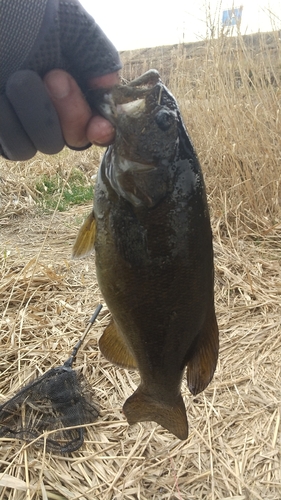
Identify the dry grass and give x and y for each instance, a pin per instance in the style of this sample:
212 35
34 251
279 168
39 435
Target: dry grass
233 450
229 91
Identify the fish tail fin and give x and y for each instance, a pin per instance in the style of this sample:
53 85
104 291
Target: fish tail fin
140 407
202 364
85 241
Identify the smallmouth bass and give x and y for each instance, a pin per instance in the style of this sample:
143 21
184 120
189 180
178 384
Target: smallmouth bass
150 228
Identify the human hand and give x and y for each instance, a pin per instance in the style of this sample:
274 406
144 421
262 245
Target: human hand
53 54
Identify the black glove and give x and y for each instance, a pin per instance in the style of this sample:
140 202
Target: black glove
35 37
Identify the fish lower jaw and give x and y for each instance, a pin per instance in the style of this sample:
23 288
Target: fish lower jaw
141 407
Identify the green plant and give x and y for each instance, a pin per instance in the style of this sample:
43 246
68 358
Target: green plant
56 191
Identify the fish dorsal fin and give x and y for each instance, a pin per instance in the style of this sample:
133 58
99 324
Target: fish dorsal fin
202 364
114 348
141 407
85 241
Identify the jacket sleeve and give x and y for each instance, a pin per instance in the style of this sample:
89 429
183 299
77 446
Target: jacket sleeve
45 34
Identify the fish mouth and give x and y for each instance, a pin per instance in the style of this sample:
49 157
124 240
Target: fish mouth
126 99
112 111
129 99
133 108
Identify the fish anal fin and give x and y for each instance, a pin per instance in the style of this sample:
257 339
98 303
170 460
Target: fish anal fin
114 348
85 241
202 364
141 407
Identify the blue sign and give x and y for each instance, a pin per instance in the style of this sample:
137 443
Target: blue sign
232 17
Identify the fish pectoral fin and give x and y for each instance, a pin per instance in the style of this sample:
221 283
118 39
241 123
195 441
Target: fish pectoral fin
85 241
141 407
202 364
114 348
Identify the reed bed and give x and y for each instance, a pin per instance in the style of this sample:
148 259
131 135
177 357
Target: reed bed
46 299
229 92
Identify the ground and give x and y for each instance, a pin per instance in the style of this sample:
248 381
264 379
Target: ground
233 449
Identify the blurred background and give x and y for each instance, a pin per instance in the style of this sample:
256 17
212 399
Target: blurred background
151 24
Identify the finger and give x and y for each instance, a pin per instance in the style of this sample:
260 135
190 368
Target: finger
105 81
100 131
34 110
73 110
14 142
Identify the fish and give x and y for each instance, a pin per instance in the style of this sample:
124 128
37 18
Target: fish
151 232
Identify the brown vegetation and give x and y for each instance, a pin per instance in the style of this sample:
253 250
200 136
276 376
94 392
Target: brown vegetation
229 91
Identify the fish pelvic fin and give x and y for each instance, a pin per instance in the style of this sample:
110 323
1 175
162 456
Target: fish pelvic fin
202 364
114 348
141 407
85 241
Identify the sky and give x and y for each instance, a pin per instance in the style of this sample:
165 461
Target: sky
150 23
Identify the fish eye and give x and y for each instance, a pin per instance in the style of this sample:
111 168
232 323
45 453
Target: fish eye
164 119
